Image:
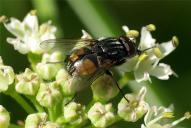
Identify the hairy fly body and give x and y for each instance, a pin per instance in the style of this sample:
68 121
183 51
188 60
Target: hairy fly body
88 59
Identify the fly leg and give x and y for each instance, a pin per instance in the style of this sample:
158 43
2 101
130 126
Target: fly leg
121 91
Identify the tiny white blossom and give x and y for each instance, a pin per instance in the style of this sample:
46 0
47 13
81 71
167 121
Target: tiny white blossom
101 115
4 117
48 70
29 34
49 94
104 88
74 114
160 118
135 108
27 83
7 76
147 64
35 119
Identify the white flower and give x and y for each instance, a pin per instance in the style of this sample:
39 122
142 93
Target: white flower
27 83
39 120
29 34
104 88
49 94
74 114
101 115
4 117
48 70
147 64
6 76
135 108
35 120
160 118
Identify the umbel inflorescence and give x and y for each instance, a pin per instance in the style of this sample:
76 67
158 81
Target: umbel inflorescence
48 86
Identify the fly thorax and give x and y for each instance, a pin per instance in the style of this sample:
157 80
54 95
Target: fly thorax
109 51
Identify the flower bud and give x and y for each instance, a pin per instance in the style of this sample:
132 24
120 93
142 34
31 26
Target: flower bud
66 81
101 115
104 88
35 120
74 113
48 70
62 76
49 94
134 109
4 117
6 76
70 85
27 82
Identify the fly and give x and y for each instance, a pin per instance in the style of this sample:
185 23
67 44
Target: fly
87 59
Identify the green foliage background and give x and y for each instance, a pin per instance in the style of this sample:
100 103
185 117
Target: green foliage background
105 18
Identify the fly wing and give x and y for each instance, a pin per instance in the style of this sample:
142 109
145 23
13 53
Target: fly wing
64 45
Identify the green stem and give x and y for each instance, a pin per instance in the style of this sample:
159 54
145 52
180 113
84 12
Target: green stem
22 102
14 126
51 114
38 107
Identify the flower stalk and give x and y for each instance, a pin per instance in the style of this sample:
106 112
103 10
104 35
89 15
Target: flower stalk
20 100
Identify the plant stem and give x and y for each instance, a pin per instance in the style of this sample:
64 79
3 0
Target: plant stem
22 102
51 114
38 107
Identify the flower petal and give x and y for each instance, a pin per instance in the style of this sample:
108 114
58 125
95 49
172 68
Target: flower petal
129 65
18 45
162 71
4 83
47 31
143 68
146 40
31 22
167 47
141 76
15 27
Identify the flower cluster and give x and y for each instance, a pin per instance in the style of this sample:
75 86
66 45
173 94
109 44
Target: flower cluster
147 64
50 88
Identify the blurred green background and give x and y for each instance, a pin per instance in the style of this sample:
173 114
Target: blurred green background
105 18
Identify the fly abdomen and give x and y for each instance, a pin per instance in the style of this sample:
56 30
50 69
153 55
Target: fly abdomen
88 65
